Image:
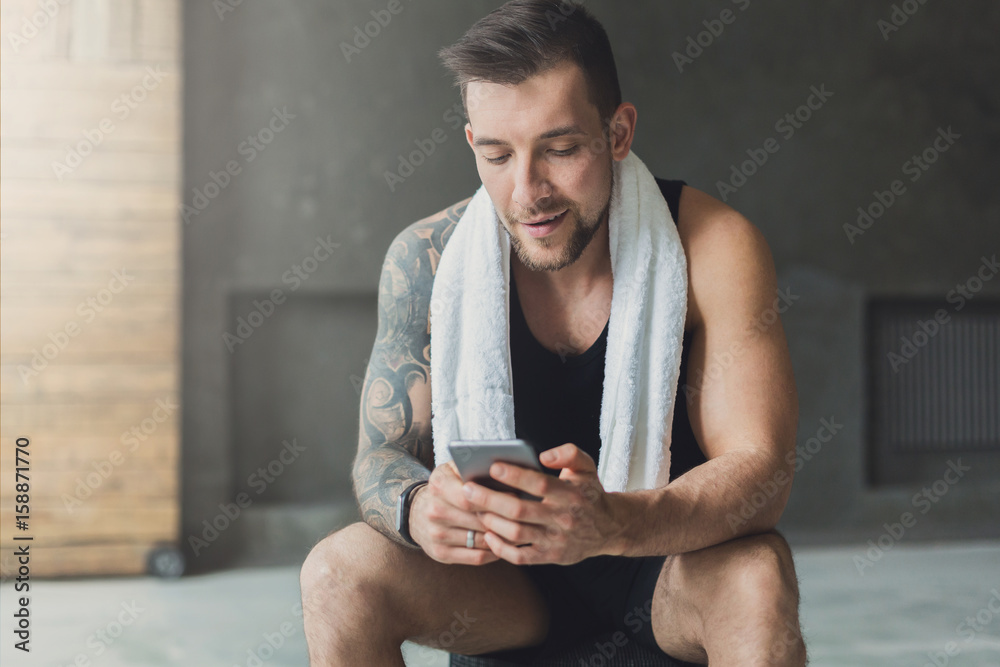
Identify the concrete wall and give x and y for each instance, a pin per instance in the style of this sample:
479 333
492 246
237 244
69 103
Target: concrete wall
346 117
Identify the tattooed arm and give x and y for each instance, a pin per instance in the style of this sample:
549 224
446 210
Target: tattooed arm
395 444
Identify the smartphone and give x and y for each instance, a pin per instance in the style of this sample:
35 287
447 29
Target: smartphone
473 459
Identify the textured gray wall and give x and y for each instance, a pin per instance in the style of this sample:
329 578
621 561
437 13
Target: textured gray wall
323 176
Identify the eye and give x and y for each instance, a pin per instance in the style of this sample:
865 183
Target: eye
496 160
566 151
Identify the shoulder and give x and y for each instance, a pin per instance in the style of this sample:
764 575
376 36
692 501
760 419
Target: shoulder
408 270
419 245
729 260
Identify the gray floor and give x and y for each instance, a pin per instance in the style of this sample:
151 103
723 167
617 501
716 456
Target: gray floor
908 608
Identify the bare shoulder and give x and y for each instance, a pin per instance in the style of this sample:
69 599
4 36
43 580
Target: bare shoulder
409 268
417 249
729 260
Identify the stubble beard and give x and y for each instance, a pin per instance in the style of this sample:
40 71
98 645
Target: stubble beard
584 231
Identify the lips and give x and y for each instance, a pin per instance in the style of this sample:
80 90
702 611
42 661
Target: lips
539 221
544 226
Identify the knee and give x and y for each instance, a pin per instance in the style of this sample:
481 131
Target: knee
764 579
764 571
342 566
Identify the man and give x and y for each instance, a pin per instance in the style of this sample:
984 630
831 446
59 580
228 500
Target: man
680 566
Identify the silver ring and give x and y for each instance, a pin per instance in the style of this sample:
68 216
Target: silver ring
470 539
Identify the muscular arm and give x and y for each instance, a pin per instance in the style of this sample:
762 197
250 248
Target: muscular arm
394 444
740 391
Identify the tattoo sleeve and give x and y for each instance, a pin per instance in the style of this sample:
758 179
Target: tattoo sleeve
395 445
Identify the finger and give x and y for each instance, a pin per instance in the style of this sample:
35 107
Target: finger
535 482
448 485
456 537
511 552
446 514
463 556
505 504
513 532
570 456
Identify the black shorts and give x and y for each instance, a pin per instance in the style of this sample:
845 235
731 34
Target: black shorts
595 596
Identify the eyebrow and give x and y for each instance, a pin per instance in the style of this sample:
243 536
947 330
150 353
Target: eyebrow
565 130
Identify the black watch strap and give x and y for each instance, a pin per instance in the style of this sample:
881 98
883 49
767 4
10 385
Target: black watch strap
403 512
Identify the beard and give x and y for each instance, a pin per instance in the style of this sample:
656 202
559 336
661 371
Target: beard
583 232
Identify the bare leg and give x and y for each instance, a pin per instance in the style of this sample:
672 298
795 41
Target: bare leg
363 595
732 604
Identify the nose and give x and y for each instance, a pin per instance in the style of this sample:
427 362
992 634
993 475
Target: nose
531 185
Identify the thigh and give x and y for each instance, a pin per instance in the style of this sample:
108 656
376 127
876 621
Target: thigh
457 608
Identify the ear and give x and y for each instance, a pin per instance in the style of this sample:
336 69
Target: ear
621 130
468 136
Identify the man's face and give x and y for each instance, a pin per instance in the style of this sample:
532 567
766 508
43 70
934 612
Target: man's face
541 152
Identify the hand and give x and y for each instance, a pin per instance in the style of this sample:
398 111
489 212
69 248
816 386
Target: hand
573 521
441 517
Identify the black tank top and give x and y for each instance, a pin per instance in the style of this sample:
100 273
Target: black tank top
557 398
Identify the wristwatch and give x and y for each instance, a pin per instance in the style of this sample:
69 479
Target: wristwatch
403 512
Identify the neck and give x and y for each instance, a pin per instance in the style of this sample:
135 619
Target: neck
593 268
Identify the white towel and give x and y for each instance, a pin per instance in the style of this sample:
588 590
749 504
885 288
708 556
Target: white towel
471 380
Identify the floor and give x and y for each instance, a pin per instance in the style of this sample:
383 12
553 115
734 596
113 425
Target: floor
914 605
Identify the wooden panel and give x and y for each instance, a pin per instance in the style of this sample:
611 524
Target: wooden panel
63 382
115 486
31 34
107 164
109 431
102 412
61 452
43 247
25 332
121 228
21 198
140 113
62 75
146 521
80 559
158 34
69 284
69 419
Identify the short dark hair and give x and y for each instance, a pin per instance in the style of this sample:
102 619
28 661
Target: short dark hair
526 37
